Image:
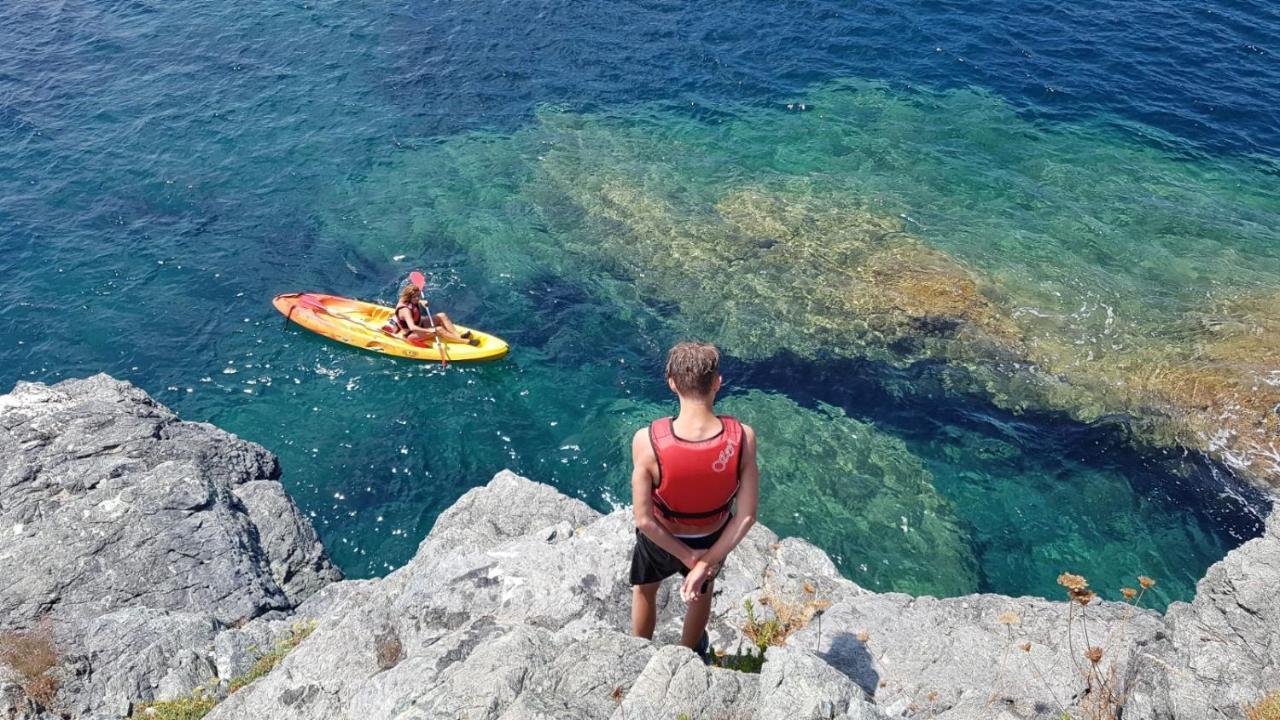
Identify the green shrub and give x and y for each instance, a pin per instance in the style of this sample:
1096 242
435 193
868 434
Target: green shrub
192 707
199 703
268 662
750 661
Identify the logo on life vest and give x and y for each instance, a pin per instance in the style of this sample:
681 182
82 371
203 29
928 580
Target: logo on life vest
722 462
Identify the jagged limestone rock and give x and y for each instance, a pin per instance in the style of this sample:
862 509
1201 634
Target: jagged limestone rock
797 685
676 683
501 620
516 607
514 508
135 653
138 538
109 501
1221 651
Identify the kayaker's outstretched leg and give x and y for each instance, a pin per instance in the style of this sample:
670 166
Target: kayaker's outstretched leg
449 333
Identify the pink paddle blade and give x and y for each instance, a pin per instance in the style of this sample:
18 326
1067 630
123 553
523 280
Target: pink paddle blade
418 279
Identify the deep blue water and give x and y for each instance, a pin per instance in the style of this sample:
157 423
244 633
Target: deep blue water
166 168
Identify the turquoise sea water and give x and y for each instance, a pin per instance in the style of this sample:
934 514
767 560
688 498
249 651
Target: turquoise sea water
595 181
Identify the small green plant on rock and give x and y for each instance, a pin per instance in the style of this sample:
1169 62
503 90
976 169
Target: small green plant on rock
192 707
787 616
268 661
202 700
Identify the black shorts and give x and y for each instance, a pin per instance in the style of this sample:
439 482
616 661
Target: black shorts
650 563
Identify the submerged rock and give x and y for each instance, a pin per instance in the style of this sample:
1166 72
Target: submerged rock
1060 268
846 485
517 606
861 494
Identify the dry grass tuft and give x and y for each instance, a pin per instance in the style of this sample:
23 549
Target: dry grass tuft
188 708
34 657
1268 708
788 616
389 649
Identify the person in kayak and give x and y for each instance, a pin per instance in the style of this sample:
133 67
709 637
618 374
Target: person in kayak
406 321
695 486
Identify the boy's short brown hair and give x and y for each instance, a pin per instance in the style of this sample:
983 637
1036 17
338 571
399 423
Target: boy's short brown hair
693 367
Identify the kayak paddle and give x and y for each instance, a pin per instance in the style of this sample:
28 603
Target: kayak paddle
420 281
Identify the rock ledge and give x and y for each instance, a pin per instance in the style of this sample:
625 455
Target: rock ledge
164 552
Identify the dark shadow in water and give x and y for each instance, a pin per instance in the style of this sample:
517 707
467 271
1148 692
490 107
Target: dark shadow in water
919 404
916 403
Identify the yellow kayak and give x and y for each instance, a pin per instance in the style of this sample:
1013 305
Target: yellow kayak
359 324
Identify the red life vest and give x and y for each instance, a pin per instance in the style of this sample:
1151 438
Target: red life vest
697 481
395 326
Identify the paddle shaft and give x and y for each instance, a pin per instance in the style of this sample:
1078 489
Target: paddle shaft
435 333
420 281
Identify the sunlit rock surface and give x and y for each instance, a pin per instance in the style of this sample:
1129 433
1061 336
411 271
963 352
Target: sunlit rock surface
136 537
516 605
532 625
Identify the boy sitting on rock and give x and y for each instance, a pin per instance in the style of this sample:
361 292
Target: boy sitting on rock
694 487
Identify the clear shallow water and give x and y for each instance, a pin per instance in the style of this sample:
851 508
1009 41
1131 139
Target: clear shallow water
164 171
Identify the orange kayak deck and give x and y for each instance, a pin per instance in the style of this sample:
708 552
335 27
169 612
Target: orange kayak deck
359 324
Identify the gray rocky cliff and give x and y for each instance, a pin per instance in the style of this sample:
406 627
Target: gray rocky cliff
516 604
137 538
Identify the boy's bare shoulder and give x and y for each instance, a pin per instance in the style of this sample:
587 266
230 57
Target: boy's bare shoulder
640 445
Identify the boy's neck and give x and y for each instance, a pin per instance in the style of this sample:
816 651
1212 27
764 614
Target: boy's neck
695 411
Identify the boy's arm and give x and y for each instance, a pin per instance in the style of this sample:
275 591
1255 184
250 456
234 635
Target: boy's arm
739 524
643 474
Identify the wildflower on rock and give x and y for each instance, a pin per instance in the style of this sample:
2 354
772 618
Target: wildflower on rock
1072 582
1008 617
1128 593
1094 654
1026 647
1082 596
1146 582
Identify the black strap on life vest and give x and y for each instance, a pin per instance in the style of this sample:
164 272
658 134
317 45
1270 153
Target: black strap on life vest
675 515
669 432
414 310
